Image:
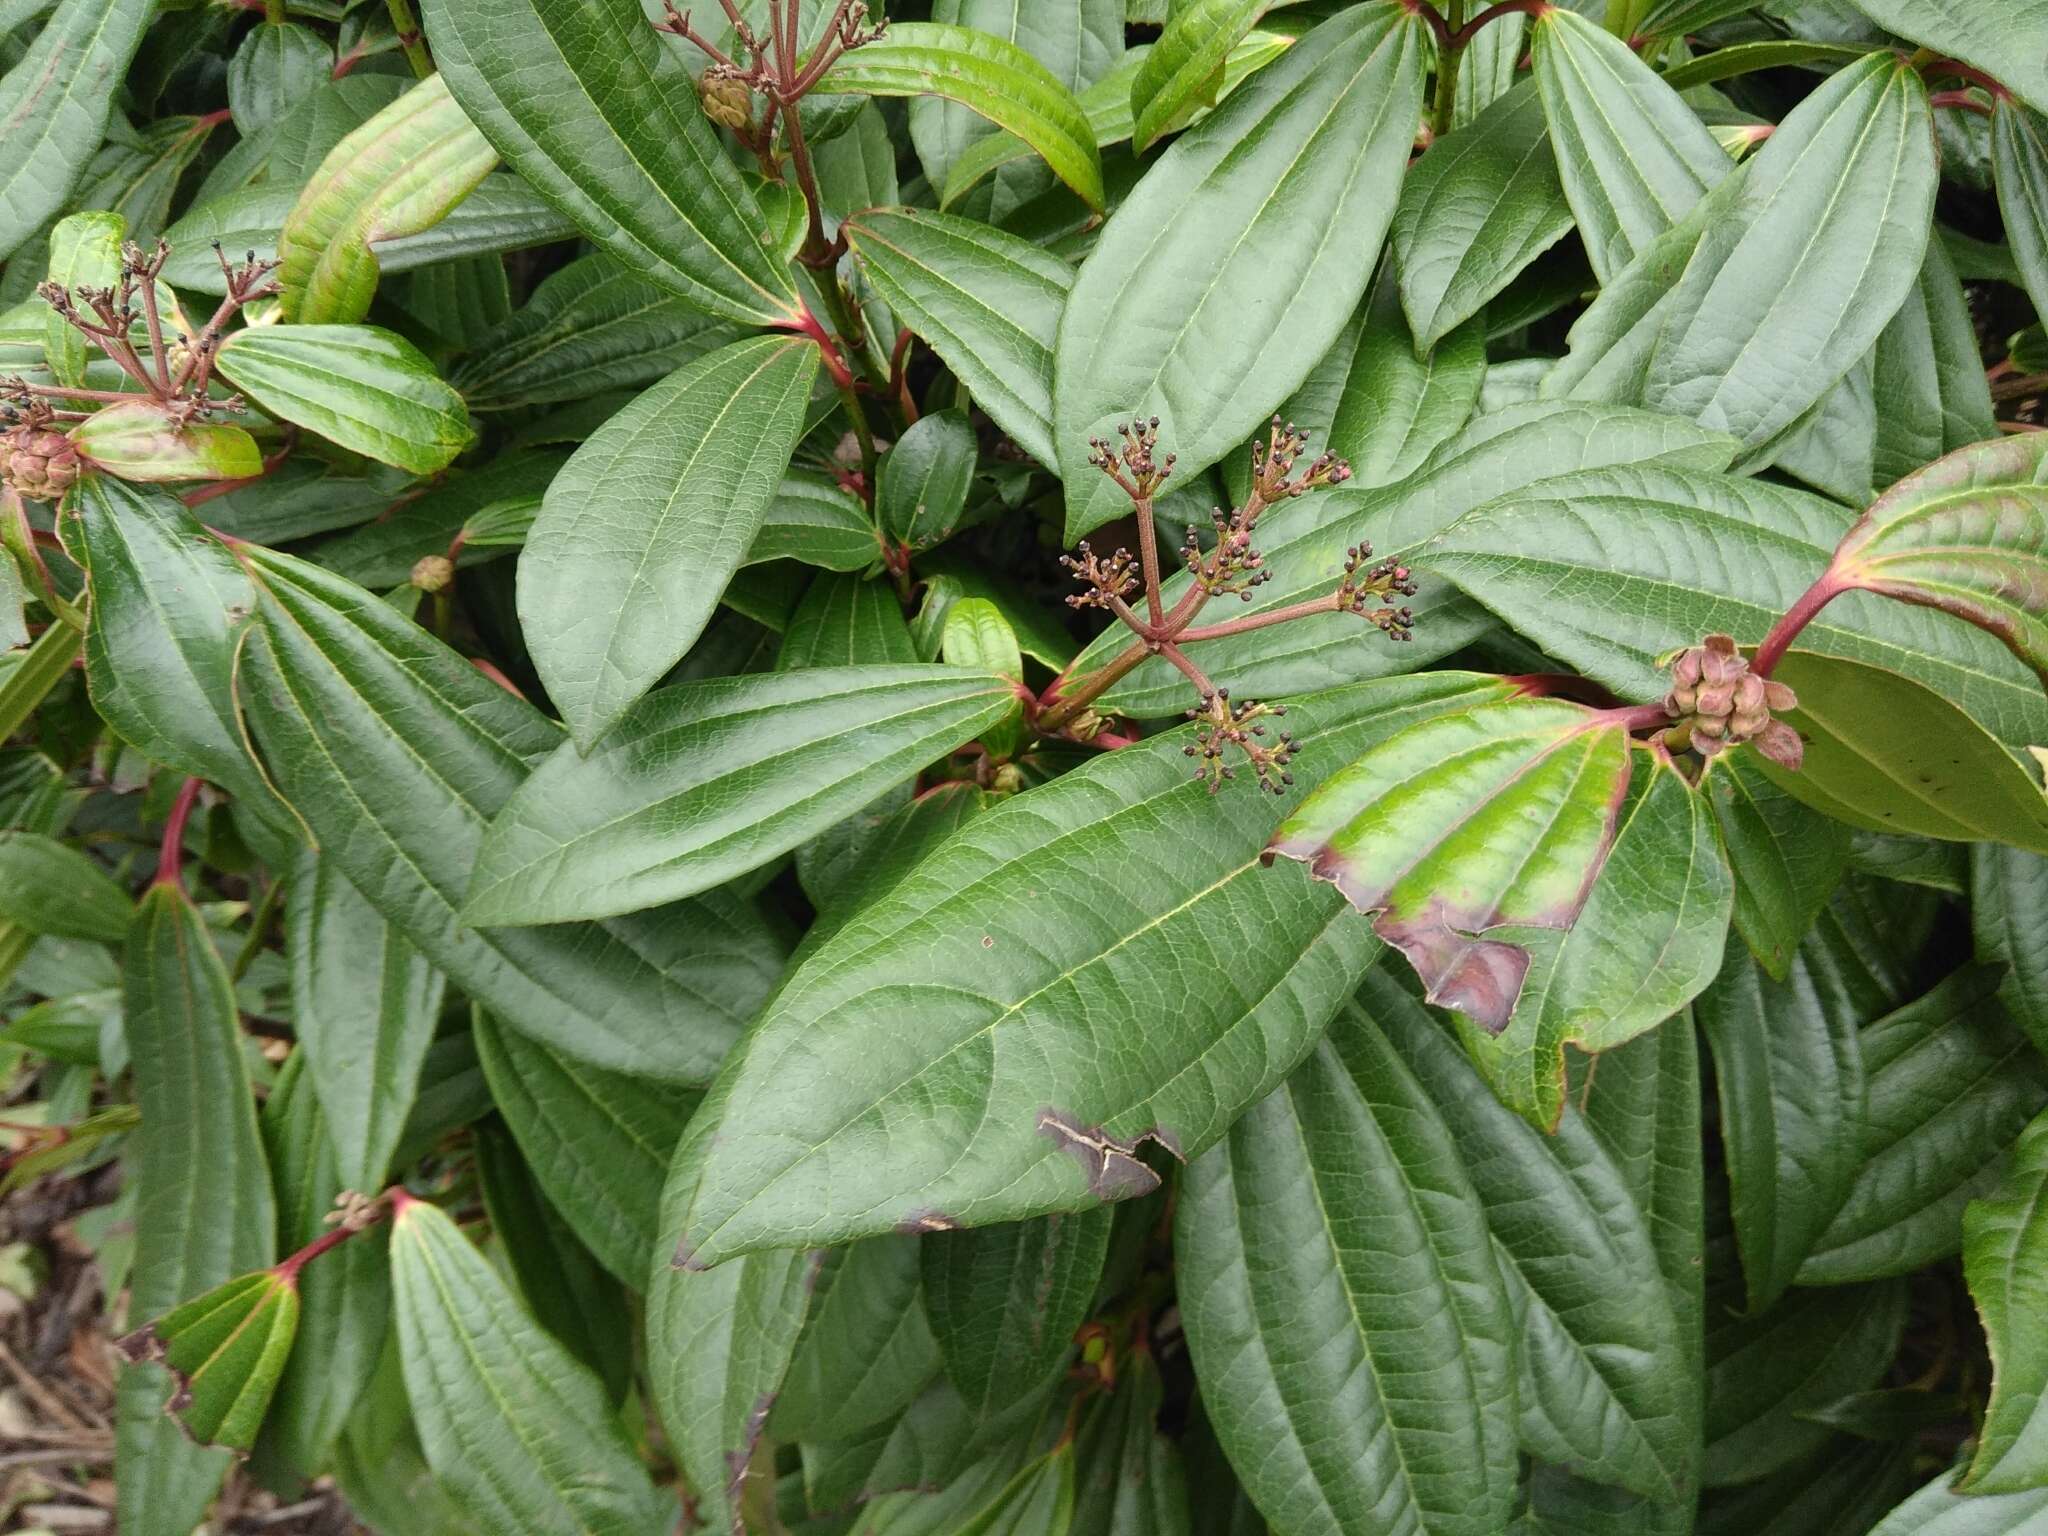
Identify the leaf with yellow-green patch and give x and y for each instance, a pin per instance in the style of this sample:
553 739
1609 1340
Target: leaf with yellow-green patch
226 1351
139 440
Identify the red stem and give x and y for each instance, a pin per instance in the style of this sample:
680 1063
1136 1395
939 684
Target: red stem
1464 34
1960 99
1254 621
1964 71
289 1269
171 853
1797 617
811 326
899 376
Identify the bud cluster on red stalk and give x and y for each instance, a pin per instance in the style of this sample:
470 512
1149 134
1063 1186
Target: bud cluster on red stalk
1717 702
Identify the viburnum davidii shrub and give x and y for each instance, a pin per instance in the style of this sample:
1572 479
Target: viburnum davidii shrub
1053 766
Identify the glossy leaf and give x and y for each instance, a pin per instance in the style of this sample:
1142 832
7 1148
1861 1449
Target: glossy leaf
832 1124
811 519
366 389
514 1428
988 303
1186 64
572 97
276 66
395 176
921 488
1635 157
657 509
1342 1304
1476 210
85 252
598 1142
704 781
989 75
397 752
1951 1083
141 441
1201 304
225 1350
2002 1247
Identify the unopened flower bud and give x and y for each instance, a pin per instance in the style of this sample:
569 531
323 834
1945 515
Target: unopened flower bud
726 101
433 573
40 463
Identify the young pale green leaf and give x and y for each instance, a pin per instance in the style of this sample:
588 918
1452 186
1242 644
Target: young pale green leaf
1951 1082
1603 1381
1202 304
364 1006
1343 1307
85 252
987 302
977 636
1498 814
657 510
833 1124
813 520
1185 66
921 487
703 781
225 1350
203 1205
866 1351
2005 1260
1885 752
2011 43
1612 569
514 1428
50 887
989 75
398 752
1476 210
846 620
573 97
1004 1301
54 103
598 1142
276 66
592 326
139 440
1635 156
1512 450
2009 917
395 176
1787 858
369 390
1967 535
718 1346
1766 1372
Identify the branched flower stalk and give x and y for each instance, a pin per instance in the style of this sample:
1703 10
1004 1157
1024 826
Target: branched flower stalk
1233 566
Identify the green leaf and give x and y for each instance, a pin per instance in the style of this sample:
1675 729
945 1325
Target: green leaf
2009 917
13 594
598 1142
921 487
26 677
987 74
1004 1301
366 389
364 1007
656 511
1128 1477
1967 535
203 1205
846 620
85 252
1475 211
383 551
395 176
2019 159
397 752
276 66
1183 68
718 1346
50 887
1346 1317
514 1428
1634 156
1787 858
1888 753
813 520
1765 1372
866 1350
139 440
54 104
1604 1380
1499 814
1612 569
1938 1510
2002 1260
2011 45
1789 1067
593 325
977 636
1927 377
225 1350
1838 1493
1013 1103
574 98
704 781
1951 1083
1513 450
988 303
1202 304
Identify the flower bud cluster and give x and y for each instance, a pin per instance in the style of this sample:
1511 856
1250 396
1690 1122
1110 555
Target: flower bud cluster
1716 702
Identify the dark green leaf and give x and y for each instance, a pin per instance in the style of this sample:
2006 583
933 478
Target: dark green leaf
814 521
276 66
1927 377
1787 858
1128 1479
50 887
846 620
2009 913
866 1350
2003 1262
922 486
